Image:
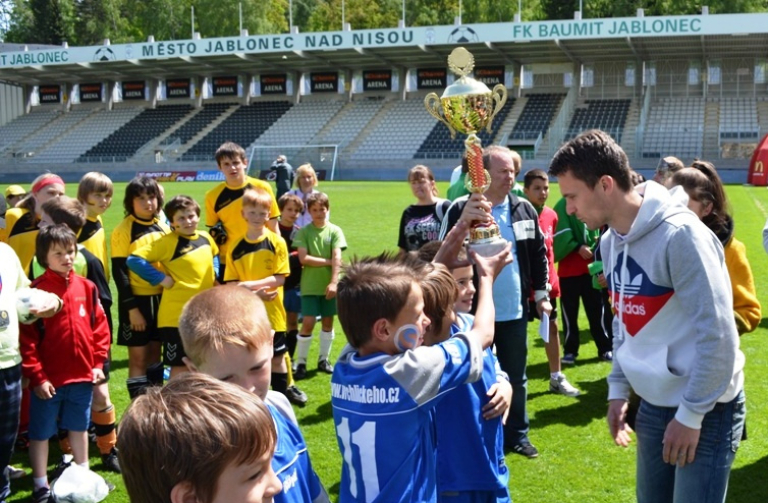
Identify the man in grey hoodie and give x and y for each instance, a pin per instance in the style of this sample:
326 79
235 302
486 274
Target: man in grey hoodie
675 339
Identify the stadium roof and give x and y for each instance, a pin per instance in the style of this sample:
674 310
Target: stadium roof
703 37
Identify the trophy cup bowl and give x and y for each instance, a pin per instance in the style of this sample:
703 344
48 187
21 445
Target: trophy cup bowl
469 106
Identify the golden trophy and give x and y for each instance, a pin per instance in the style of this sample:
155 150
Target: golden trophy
468 106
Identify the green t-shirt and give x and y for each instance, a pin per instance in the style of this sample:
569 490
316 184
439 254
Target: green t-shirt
318 243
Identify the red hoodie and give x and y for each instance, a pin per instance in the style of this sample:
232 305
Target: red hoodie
66 348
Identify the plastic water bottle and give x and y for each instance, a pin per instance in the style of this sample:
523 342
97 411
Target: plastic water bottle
166 373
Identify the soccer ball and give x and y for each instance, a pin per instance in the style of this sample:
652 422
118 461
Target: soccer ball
463 35
104 54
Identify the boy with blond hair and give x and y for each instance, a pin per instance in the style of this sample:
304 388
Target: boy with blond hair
235 345
224 203
258 261
320 244
198 439
385 386
190 261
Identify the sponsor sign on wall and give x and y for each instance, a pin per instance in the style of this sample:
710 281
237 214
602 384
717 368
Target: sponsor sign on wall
50 94
177 88
431 78
225 86
170 176
324 82
273 84
377 80
134 90
90 92
490 75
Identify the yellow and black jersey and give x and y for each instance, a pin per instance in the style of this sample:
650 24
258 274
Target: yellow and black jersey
189 260
130 235
93 238
225 204
254 260
21 234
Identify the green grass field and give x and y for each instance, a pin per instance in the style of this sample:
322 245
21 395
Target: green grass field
578 461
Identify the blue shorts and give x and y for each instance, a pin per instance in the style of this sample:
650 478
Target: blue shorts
69 409
292 300
317 305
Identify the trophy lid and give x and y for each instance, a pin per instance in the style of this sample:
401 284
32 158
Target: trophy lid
461 62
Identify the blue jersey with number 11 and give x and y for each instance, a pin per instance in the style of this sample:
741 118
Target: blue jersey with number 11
383 409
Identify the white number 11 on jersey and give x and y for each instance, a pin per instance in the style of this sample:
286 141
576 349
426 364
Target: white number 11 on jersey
365 440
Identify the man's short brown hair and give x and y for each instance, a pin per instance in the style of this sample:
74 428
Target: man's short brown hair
318 198
65 210
50 236
230 150
590 156
440 294
372 288
190 431
180 203
290 198
228 315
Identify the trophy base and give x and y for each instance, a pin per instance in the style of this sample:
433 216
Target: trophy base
488 248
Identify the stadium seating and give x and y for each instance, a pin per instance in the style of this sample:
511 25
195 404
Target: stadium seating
536 116
349 122
64 122
402 128
242 127
675 126
71 144
439 143
197 123
608 115
23 126
149 124
738 119
300 123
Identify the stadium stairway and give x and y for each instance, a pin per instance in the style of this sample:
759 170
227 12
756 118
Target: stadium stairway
51 132
74 142
243 126
198 127
369 128
22 127
126 141
300 124
711 140
512 117
349 123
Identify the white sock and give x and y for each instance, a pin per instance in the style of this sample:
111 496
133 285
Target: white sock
326 340
40 482
555 375
302 348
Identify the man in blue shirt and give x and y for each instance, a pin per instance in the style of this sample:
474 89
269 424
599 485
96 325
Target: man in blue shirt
519 224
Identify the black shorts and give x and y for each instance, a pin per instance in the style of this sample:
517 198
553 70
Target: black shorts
173 350
533 313
279 346
148 306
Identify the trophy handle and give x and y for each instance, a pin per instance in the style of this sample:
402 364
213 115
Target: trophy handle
432 104
499 96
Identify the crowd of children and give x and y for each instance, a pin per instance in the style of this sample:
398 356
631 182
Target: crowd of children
239 305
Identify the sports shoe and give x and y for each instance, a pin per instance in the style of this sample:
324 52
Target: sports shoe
325 366
296 396
526 449
41 495
561 386
568 359
110 461
66 461
607 356
15 473
300 372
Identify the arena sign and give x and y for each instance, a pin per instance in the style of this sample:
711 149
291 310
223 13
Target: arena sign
665 26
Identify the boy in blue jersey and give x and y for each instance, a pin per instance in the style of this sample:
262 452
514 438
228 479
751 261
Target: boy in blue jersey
470 465
235 345
385 385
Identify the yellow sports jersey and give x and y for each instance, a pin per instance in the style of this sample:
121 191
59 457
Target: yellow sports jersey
253 260
93 237
132 234
189 261
225 204
21 234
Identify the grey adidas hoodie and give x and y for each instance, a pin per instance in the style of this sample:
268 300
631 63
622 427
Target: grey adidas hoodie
675 340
